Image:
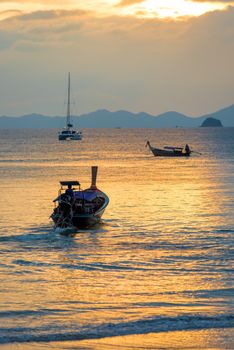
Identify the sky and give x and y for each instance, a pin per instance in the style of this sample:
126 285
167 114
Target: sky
137 55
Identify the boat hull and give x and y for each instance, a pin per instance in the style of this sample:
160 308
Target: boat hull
87 220
64 137
77 137
157 152
84 219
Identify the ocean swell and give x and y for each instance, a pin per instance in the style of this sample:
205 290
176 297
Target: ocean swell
53 332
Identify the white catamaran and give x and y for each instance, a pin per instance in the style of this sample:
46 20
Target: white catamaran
68 133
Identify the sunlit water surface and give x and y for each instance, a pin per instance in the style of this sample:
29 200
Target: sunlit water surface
157 272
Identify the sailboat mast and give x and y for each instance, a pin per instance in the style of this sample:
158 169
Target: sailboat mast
68 103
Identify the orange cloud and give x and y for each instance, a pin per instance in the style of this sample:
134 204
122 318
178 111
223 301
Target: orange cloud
123 62
129 2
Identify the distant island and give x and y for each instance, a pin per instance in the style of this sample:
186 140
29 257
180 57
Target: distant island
120 119
211 122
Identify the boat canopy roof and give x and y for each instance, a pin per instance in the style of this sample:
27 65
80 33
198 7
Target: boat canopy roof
86 195
72 183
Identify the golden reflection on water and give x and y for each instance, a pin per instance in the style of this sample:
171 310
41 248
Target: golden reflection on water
205 339
151 256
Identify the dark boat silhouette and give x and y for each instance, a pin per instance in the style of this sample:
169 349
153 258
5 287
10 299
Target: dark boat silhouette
79 208
170 151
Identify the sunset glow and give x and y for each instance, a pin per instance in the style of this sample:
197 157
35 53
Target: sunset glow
138 55
144 8
175 8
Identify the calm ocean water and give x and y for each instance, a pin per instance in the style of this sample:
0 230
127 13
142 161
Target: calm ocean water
156 273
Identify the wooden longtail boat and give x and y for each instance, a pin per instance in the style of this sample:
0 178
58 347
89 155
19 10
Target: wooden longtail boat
79 208
169 151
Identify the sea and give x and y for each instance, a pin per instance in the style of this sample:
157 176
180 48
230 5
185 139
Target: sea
156 273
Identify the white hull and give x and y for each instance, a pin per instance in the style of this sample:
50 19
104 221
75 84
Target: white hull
70 135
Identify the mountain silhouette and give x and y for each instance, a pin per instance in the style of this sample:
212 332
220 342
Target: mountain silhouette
119 119
211 122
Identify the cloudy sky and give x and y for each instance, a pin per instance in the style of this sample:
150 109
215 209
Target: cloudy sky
138 55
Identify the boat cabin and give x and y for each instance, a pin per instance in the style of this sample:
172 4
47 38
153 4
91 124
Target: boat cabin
68 132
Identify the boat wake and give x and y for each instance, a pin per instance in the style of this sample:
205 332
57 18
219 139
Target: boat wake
67 231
